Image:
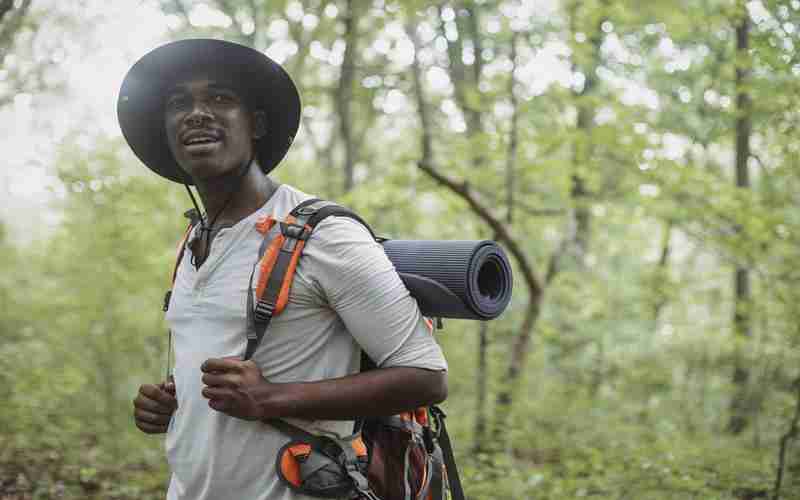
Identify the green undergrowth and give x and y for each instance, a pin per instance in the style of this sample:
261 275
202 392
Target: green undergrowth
586 451
82 472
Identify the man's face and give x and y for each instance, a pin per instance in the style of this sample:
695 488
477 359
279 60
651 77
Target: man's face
209 129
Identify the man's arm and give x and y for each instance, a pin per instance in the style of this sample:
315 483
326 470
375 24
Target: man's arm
356 279
237 388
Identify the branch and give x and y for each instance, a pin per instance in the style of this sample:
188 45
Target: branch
180 9
5 6
462 188
520 344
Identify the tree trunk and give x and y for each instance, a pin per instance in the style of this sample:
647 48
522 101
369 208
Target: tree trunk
481 377
582 148
790 435
742 322
344 95
511 158
519 354
663 264
12 15
503 234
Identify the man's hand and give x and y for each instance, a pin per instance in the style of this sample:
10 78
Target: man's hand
154 406
235 387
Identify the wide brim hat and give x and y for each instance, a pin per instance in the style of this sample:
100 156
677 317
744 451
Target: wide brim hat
264 83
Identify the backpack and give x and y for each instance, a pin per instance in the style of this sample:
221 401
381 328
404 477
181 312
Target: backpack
400 457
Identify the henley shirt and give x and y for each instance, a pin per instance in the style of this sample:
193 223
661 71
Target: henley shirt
346 296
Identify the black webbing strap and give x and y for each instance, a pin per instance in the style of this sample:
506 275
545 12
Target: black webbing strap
261 315
339 211
456 491
436 487
325 445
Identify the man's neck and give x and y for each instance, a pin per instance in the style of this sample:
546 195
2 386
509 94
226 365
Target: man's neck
249 193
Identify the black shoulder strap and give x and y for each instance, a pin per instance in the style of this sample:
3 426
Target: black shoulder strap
453 479
316 211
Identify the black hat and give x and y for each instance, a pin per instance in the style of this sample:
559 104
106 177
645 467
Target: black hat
263 82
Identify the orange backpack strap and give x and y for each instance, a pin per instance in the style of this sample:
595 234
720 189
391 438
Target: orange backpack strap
277 262
168 296
181 250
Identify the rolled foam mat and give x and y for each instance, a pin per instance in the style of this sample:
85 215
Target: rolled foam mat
454 279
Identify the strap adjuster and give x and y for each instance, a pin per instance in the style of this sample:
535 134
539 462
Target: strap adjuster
295 231
263 311
438 418
167 297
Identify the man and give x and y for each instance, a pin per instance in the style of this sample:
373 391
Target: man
221 116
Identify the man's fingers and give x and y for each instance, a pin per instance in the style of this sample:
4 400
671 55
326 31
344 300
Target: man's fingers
150 428
219 404
149 417
218 380
168 386
154 393
212 365
216 393
150 405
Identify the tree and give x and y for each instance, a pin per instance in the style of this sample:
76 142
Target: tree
742 306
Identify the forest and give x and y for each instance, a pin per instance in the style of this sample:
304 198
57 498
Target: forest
636 160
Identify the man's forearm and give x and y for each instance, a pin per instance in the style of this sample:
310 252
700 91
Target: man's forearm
383 391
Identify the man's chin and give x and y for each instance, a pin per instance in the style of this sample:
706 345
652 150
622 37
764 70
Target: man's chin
205 172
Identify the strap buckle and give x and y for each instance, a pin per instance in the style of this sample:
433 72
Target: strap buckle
307 210
292 234
295 231
263 311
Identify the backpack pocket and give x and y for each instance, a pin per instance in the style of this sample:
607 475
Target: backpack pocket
323 468
404 460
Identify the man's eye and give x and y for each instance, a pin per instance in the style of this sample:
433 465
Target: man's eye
177 103
220 98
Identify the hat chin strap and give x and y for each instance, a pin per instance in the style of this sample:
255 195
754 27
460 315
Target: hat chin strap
207 228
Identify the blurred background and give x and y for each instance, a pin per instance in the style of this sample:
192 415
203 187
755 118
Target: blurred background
637 160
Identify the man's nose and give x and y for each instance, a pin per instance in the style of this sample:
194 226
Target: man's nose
199 113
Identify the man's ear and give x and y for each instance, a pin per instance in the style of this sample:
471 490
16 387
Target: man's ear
259 124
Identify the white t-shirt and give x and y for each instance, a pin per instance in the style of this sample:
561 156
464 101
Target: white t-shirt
345 294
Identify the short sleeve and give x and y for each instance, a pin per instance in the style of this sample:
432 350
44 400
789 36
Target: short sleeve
362 286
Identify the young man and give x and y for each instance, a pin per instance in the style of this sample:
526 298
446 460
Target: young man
221 116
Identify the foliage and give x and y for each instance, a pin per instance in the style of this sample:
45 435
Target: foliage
622 181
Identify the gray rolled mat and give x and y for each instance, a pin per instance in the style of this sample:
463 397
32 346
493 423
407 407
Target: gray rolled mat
454 279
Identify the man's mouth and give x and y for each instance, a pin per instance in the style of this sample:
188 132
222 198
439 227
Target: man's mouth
200 140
